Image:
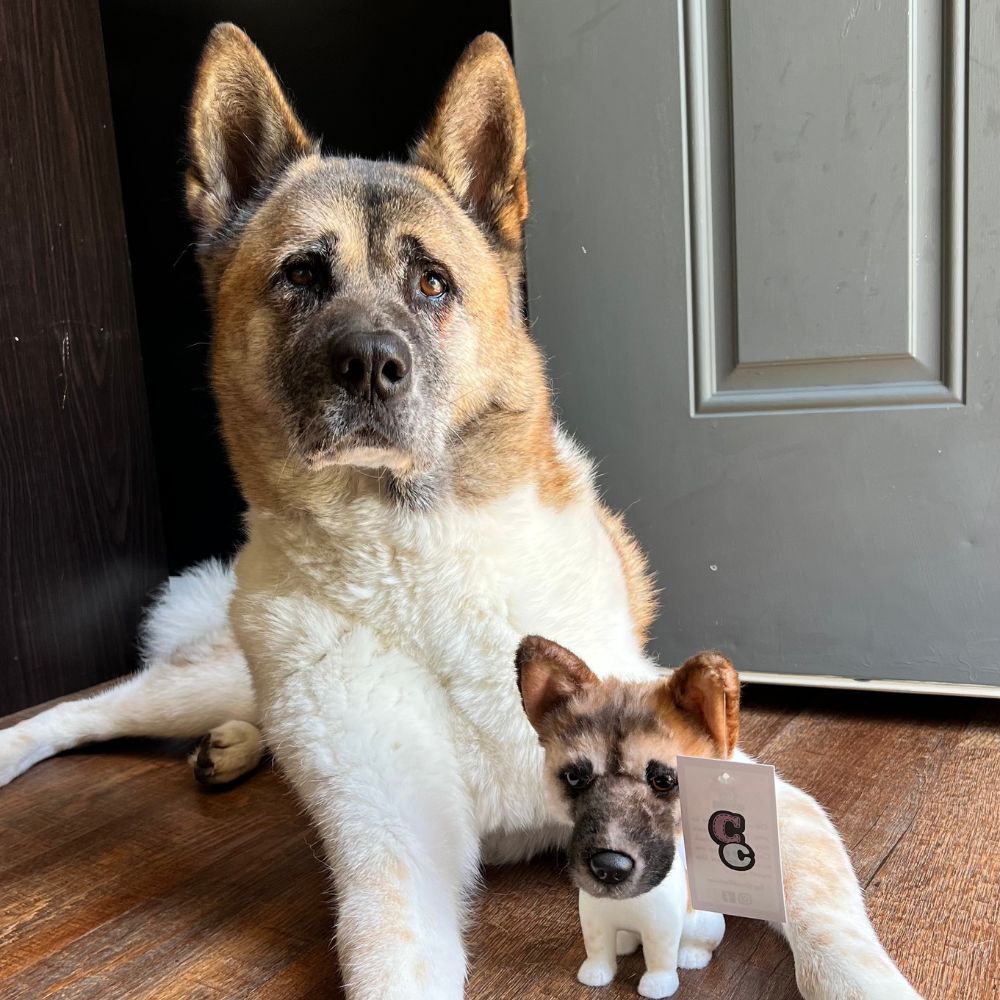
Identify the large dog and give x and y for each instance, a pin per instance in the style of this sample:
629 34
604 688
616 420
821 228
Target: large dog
414 511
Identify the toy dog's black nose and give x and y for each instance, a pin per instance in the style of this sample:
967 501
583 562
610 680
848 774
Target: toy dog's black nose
611 867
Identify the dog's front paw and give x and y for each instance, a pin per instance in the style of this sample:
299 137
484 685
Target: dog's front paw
693 958
595 972
658 984
228 752
18 751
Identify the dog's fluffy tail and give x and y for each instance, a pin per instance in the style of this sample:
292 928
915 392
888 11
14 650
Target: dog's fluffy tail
195 679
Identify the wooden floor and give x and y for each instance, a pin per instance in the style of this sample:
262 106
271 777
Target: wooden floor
119 877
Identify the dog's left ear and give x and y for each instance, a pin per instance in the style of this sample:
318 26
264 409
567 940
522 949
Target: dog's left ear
548 675
707 687
477 139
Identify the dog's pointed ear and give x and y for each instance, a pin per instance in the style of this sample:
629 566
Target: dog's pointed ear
477 140
548 675
707 688
242 132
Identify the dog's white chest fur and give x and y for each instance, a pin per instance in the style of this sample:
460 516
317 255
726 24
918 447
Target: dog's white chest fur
447 594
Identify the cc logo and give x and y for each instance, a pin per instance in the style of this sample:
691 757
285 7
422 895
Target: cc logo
726 829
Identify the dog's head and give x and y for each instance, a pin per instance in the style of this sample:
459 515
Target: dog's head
367 314
611 754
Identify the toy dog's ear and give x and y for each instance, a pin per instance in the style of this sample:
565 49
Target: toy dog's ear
548 675
707 688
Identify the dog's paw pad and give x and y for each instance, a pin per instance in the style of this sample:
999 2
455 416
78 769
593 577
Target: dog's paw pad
655 985
693 958
627 943
226 753
596 973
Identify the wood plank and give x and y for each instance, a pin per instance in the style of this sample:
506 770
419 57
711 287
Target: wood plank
935 896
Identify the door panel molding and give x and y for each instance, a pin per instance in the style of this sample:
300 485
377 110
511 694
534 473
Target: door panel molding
932 370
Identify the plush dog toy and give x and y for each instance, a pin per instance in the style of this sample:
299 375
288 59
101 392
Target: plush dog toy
610 753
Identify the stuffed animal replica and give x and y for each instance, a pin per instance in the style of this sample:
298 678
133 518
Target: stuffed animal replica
610 753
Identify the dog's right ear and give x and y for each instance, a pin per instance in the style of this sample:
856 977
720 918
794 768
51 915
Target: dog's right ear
707 689
242 132
548 675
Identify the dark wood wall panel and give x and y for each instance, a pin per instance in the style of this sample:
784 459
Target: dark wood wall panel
80 540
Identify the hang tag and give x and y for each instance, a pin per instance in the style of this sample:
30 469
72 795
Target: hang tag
730 818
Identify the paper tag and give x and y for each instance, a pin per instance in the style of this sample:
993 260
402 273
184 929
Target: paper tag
730 819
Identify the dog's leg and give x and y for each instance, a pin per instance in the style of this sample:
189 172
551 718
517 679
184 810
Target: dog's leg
660 953
196 680
365 739
837 953
176 698
600 938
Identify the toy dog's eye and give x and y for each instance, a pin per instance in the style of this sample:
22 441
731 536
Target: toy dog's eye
577 776
662 779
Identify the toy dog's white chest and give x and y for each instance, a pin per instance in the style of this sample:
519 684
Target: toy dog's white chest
671 935
655 913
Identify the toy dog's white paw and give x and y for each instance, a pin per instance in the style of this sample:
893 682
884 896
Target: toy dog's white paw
627 943
594 972
693 958
658 984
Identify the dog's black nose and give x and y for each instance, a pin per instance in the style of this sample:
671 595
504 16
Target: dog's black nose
611 867
375 362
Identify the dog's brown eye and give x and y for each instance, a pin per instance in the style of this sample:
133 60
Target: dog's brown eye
662 779
432 284
301 274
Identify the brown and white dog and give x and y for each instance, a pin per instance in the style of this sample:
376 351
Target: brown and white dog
414 510
611 751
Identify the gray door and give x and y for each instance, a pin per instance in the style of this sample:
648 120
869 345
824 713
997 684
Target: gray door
763 258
